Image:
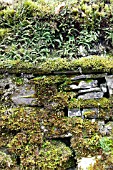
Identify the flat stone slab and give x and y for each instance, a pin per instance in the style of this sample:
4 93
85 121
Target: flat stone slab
92 95
96 89
84 85
88 76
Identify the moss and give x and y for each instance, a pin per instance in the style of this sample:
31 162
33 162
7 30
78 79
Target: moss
98 103
54 155
18 81
85 140
88 65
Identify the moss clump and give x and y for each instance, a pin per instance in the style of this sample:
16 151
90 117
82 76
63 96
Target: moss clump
85 140
94 64
54 155
103 103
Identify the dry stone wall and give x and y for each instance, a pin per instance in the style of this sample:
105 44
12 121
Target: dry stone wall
64 106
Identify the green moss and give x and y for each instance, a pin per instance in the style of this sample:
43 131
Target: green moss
18 81
85 140
98 103
94 64
54 155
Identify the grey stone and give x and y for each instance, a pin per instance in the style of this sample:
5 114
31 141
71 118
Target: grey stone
92 95
88 76
84 85
74 112
109 81
74 87
103 87
68 135
96 89
87 85
101 125
24 95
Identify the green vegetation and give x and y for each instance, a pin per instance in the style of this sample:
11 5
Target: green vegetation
80 29
36 39
93 64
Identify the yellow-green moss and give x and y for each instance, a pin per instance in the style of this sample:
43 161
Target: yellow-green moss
95 64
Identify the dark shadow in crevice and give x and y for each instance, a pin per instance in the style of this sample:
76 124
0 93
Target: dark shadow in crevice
7 86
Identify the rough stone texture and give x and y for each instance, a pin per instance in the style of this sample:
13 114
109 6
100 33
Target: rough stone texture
103 87
106 129
50 108
74 112
109 80
88 76
24 95
92 95
84 85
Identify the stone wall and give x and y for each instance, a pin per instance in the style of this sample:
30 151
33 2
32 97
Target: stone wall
73 109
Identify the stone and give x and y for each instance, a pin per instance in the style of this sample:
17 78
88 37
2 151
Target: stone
74 112
92 95
96 89
24 95
103 87
86 163
74 87
109 81
68 135
88 76
84 84
107 129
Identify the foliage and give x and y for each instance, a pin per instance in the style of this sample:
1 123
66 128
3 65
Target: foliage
106 144
80 29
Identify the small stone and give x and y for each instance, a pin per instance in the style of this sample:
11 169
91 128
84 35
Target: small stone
103 87
74 112
24 95
96 89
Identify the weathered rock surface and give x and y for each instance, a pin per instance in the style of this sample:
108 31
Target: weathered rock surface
109 80
61 107
24 95
92 95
